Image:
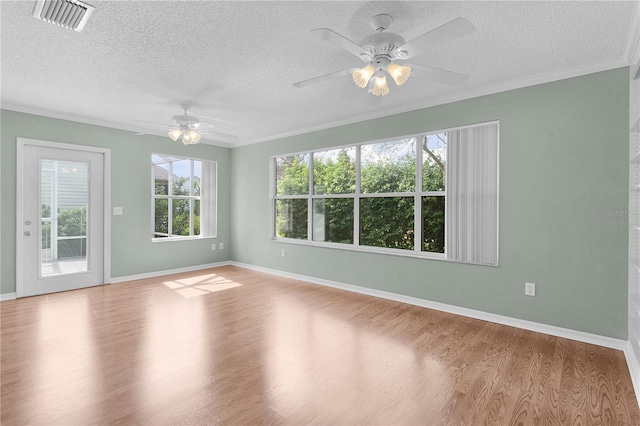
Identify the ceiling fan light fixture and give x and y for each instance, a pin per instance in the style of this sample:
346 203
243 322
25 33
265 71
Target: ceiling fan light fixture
380 87
362 76
186 139
175 134
194 136
399 73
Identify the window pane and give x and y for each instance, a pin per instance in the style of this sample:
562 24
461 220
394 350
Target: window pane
433 224
72 222
389 166
197 176
434 160
161 218
334 172
181 178
72 248
292 175
64 194
387 222
333 220
161 179
291 218
196 217
180 217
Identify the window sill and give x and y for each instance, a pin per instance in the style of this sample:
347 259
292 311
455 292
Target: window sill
366 249
166 239
375 250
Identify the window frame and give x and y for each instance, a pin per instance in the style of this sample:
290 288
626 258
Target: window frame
417 194
170 197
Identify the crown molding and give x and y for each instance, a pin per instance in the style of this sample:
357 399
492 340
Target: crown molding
470 94
93 122
427 103
632 46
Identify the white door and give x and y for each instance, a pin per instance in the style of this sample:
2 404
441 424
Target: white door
60 239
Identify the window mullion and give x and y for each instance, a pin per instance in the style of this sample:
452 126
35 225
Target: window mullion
356 201
274 195
170 203
310 200
417 204
191 198
170 217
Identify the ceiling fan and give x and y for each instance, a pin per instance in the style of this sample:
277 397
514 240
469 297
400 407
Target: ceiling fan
187 127
381 49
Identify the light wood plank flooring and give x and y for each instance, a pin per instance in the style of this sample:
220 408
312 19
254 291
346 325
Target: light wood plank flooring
233 346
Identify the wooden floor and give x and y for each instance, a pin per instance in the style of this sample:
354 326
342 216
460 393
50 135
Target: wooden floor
233 346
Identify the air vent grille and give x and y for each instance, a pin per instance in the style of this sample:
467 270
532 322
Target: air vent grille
71 14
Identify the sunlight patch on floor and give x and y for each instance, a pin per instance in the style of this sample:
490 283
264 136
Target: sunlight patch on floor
200 285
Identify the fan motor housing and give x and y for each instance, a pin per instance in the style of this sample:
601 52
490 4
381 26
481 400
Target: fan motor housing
186 120
382 42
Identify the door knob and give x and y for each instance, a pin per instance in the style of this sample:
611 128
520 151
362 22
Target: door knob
27 233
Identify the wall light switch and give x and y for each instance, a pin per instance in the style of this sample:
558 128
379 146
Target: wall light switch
117 211
213 246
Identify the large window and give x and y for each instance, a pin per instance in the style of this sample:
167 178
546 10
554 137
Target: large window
393 196
183 197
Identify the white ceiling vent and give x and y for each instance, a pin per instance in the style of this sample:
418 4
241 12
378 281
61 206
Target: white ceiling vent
72 14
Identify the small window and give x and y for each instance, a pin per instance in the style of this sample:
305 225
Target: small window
184 197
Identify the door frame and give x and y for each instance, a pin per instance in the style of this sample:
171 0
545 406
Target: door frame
21 142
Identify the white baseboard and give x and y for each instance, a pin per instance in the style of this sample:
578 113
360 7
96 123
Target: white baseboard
634 368
566 333
7 296
168 272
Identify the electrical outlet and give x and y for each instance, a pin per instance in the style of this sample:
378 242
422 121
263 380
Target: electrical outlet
283 253
221 246
117 211
213 246
530 289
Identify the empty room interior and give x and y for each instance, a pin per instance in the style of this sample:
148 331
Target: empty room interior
320 212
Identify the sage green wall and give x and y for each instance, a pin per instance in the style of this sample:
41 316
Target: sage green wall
563 166
132 251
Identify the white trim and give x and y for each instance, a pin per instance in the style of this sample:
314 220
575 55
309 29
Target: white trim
431 102
357 195
371 249
19 214
633 38
7 296
106 224
634 369
566 333
95 122
106 152
447 99
124 278
387 139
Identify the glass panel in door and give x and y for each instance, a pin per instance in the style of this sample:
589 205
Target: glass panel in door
64 197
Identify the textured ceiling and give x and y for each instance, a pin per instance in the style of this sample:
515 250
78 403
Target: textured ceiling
137 60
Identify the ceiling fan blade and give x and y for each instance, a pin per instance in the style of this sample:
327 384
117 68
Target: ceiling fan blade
324 78
450 31
151 134
340 41
157 124
203 125
213 119
438 75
